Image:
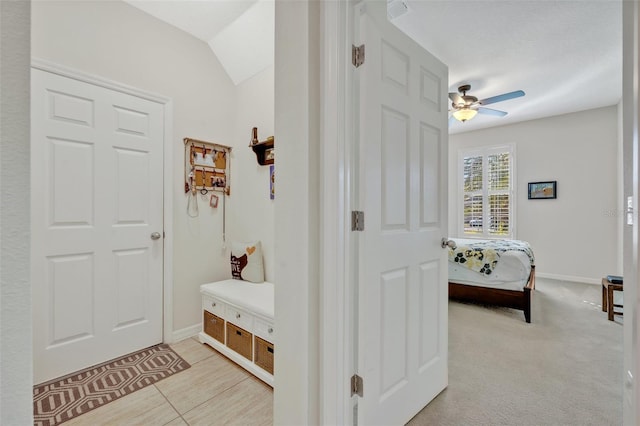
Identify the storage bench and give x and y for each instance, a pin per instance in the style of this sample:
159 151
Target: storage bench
237 321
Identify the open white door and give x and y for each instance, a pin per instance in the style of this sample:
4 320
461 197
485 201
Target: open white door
402 311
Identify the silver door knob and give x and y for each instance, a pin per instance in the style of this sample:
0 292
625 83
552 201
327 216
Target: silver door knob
449 243
155 236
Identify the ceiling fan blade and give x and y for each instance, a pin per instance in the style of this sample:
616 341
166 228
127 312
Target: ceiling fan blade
500 98
456 98
490 111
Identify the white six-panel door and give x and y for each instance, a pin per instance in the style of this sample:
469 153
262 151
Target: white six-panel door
97 198
402 323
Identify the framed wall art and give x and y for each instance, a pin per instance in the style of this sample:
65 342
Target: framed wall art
543 190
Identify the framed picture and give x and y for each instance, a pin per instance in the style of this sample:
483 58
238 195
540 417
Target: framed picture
543 190
272 182
219 183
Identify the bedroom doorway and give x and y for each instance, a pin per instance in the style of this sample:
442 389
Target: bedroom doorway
97 223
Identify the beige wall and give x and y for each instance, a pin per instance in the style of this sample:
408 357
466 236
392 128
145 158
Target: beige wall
113 40
252 217
574 237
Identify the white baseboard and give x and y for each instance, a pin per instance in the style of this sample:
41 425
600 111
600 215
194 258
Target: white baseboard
583 280
185 333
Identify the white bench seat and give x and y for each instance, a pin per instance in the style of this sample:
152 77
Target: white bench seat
255 298
238 322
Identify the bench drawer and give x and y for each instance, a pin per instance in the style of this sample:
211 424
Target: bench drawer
213 305
214 326
264 330
240 340
239 317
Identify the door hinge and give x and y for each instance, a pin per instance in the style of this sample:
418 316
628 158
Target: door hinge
356 385
357 220
357 55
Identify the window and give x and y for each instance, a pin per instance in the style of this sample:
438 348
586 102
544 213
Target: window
487 192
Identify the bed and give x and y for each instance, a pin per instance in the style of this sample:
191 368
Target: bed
496 272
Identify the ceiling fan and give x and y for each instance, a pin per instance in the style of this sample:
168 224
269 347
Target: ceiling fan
465 107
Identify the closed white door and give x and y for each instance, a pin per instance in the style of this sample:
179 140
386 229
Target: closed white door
97 216
402 323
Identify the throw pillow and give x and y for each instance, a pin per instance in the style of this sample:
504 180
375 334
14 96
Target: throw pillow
246 262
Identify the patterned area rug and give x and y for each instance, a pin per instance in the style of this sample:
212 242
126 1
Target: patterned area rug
62 399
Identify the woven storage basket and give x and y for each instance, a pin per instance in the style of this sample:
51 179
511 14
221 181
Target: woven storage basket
239 340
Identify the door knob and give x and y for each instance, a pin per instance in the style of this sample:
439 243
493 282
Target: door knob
449 243
155 236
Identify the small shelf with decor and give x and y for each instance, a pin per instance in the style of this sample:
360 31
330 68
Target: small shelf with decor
264 150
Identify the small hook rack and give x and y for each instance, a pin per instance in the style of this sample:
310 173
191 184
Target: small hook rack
207 166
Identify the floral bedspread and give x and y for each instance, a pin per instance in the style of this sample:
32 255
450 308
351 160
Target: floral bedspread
483 255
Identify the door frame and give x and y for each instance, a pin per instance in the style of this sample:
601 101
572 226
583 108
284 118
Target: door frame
336 292
167 166
337 244
630 161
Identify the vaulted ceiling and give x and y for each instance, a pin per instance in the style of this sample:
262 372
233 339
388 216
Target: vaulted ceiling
240 32
565 55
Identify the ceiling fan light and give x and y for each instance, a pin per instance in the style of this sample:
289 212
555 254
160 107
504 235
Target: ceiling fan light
464 114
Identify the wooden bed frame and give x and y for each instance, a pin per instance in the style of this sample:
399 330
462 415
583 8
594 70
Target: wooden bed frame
508 298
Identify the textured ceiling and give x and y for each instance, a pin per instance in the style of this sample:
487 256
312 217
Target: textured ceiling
565 54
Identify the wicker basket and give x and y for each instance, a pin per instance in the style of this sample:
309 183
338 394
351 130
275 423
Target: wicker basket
264 355
239 340
214 326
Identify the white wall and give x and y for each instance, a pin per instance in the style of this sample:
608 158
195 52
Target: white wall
119 42
574 237
16 405
297 218
251 208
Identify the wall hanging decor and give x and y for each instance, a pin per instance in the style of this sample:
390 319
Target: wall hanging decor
272 182
207 168
543 190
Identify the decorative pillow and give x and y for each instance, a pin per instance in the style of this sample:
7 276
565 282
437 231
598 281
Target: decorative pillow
246 262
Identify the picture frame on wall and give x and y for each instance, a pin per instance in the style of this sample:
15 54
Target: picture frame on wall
272 182
546 190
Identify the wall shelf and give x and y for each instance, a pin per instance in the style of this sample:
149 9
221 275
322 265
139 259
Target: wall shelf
264 150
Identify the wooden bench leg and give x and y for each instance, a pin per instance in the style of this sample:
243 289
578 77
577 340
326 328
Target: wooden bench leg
610 302
604 298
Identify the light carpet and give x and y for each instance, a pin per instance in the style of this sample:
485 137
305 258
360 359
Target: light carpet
62 399
565 368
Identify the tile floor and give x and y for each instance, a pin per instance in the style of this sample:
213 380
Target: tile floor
214 391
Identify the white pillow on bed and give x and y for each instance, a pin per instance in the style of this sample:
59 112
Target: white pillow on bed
246 262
